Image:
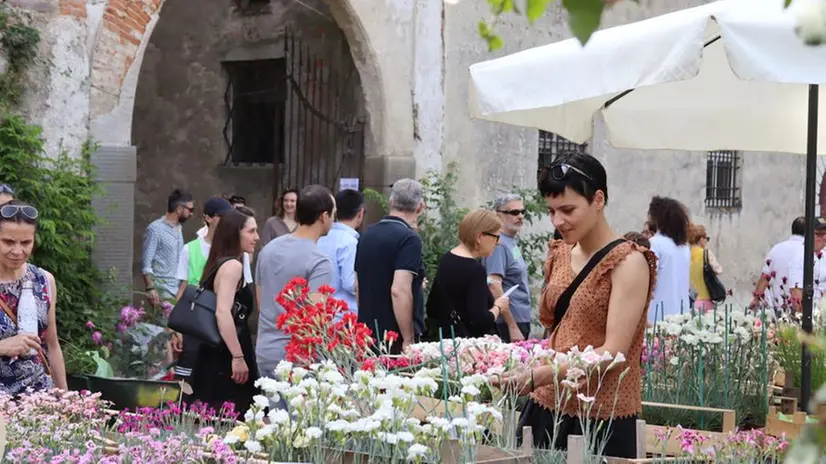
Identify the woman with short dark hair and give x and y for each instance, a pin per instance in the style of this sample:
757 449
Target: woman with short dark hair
597 288
28 360
228 372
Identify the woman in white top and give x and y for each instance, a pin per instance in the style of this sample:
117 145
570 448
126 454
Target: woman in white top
669 220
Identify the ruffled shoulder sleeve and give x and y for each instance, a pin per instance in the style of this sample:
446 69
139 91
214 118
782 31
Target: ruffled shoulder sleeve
618 255
553 251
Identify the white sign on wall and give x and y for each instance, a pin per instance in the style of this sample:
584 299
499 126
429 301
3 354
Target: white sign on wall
348 183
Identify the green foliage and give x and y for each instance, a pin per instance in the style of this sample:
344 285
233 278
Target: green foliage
583 17
19 45
62 189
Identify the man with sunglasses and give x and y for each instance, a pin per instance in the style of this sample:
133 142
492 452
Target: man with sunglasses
507 268
6 194
162 245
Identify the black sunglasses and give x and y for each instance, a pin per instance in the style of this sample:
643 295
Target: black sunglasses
513 212
6 189
560 172
491 235
12 211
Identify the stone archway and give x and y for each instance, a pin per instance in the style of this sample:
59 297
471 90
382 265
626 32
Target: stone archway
127 25
119 45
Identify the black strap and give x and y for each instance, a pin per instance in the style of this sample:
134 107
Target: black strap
209 281
565 298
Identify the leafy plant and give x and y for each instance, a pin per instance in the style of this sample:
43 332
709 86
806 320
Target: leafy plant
19 44
62 189
584 16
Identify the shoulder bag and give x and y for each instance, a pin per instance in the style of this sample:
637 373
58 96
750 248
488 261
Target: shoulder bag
194 314
716 289
565 298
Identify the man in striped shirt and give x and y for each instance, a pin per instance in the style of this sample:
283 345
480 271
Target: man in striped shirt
162 244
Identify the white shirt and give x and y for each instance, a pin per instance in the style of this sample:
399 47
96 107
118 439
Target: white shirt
672 288
183 262
784 266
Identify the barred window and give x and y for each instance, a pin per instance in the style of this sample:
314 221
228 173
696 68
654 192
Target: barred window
723 179
551 145
255 97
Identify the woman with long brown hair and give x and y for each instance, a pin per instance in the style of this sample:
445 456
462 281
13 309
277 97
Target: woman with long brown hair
284 221
228 372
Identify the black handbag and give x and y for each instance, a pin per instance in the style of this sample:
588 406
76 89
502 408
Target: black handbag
194 313
716 289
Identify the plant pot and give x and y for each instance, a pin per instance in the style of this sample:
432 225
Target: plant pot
135 393
77 382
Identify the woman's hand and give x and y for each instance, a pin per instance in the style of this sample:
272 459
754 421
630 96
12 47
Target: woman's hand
521 382
240 371
515 334
19 345
177 343
503 303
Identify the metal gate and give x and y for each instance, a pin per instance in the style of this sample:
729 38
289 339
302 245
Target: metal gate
324 128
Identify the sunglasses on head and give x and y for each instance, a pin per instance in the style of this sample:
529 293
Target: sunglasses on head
560 172
12 211
6 189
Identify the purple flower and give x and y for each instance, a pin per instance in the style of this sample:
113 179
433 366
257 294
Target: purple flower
97 338
90 325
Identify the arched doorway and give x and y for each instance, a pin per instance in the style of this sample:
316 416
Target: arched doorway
161 104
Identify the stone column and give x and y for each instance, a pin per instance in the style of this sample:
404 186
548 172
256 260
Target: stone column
113 251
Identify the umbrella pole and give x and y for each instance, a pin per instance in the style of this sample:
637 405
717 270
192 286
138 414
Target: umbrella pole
808 249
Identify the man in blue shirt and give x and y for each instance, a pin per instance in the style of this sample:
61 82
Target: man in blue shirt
506 268
340 245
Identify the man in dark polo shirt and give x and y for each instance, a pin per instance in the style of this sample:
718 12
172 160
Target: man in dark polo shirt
390 270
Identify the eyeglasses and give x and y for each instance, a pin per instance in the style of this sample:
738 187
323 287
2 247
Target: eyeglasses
6 189
560 172
12 211
191 210
513 212
492 235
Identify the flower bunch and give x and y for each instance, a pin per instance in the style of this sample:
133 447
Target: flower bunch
174 417
722 358
744 446
49 424
484 355
137 344
371 414
321 330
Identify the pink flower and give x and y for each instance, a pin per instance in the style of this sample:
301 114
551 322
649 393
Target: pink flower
97 338
90 325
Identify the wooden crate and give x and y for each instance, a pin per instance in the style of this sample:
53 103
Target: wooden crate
777 427
672 446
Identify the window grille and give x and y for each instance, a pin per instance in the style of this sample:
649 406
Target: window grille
551 145
255 96
723 180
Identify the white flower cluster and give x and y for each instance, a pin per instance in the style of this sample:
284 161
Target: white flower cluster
710 328
370 413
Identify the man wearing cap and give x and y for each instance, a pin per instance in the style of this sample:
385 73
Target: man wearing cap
191 265
6 194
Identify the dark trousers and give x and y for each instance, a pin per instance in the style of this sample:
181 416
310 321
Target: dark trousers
621 435
524 327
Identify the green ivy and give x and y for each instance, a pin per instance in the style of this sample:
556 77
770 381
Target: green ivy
18 43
